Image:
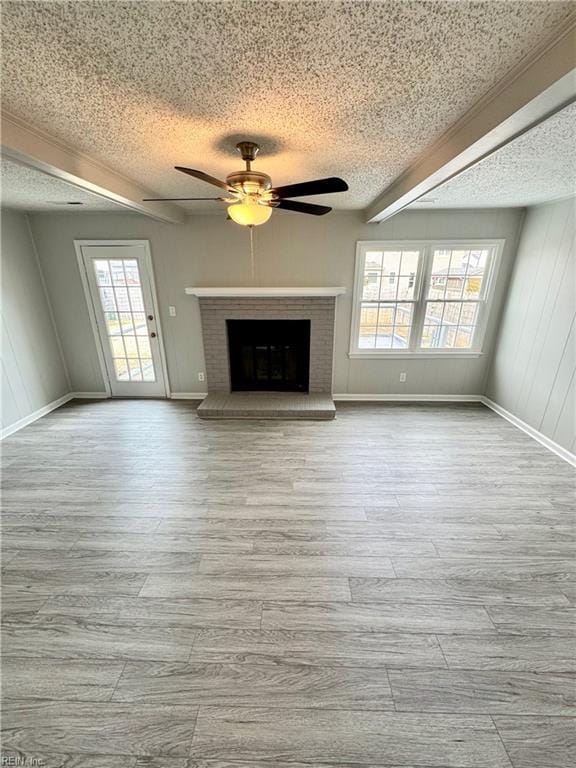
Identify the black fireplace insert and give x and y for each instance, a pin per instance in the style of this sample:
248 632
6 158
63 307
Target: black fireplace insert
269 355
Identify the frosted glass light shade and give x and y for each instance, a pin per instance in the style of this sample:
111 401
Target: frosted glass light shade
249 213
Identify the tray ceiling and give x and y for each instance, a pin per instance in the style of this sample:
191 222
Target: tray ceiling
31 190
356 89
538 166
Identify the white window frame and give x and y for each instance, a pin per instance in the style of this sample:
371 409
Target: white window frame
426 248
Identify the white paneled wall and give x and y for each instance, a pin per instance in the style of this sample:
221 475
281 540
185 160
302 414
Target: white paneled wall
33 373
533 374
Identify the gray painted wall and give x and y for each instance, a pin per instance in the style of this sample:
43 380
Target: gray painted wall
290 250
533 374
33 374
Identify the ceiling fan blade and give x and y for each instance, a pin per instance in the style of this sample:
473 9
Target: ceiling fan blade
204 177
294 205
317 187
166 199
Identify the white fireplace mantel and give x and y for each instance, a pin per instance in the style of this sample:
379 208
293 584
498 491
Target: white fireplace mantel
266 292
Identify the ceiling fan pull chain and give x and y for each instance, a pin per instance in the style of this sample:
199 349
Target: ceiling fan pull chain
252 270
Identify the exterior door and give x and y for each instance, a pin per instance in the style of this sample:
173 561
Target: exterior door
120 288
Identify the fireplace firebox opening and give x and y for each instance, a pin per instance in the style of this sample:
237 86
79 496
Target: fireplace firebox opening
269 355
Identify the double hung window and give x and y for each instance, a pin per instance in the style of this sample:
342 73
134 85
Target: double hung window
422 297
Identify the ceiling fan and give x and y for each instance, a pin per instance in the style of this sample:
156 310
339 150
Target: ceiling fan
250 195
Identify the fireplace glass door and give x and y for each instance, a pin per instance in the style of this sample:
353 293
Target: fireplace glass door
269 355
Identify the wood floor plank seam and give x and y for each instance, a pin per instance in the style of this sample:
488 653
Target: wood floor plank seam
503 743
391 690
118 681
538 741
442 651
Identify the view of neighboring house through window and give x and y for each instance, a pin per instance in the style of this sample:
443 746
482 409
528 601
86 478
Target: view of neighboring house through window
388 299
421 297
453 297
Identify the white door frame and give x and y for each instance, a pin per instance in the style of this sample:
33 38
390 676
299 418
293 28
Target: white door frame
78 245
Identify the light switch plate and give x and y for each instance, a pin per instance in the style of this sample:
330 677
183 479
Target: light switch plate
172 311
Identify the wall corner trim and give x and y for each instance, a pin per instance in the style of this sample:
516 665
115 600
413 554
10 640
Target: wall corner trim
551 445
35 415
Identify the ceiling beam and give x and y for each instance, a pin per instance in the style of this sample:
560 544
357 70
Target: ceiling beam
540 85
36 149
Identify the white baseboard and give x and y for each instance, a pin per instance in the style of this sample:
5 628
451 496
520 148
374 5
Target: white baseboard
90 395
35 415
188 395
563 453
408 398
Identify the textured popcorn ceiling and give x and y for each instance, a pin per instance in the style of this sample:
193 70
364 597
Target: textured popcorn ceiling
355 88
30 190
538 166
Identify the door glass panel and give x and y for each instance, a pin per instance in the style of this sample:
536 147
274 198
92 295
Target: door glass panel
135 370
107 299
117 347
126 322
112 323
140 325
131 272
131 346
122 301
102 272
136 301
121 368
117 272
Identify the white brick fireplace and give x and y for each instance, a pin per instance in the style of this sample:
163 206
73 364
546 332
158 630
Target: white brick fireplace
317 305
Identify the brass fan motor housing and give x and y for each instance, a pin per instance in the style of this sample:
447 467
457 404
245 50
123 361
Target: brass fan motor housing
250 182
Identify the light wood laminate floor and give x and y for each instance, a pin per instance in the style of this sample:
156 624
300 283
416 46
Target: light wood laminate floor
393 589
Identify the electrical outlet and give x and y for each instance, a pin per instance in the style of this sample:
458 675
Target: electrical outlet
172 311
201 376
402 377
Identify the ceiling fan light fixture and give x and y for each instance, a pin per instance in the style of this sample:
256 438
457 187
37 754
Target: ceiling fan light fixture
251 197
249 213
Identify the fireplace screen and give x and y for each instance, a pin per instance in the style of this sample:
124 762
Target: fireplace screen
271 355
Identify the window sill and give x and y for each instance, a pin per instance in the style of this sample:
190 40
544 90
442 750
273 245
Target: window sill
396 354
